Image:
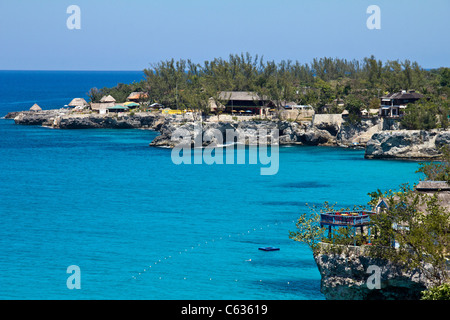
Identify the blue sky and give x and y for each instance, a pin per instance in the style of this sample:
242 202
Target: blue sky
129 35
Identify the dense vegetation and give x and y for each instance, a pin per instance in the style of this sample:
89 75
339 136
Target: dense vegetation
438 170
322 83
418 223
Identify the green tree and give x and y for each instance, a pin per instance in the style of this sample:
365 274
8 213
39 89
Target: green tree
441 292
420 227
309 230
94 95
181 84
422 115
444 77
438 170
353 105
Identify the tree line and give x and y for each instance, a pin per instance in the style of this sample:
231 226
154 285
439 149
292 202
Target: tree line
324 83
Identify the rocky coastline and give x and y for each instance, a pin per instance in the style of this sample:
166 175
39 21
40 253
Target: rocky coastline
407 144
375 135
344 275
323 134
348 273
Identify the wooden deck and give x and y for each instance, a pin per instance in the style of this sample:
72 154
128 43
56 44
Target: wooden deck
347 218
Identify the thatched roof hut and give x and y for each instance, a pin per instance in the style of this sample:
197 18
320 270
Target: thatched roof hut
136 96
35 107
441 188
78 102
108 98
104 104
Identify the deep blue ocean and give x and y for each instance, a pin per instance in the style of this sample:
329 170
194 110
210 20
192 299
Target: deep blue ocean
139 226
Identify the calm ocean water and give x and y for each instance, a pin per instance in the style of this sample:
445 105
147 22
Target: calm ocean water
141 227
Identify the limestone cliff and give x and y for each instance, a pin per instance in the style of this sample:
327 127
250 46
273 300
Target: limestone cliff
373 134
347 274
61 119
407 144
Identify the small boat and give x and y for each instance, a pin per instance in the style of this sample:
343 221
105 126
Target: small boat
268 248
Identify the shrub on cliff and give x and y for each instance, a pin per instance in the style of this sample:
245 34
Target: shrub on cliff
311 233
441 292
426 115
438 171
414 232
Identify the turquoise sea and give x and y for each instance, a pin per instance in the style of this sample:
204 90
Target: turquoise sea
139 226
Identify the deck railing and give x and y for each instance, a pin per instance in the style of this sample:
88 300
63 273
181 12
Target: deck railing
347 218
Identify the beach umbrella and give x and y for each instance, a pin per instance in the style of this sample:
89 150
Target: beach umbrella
248 111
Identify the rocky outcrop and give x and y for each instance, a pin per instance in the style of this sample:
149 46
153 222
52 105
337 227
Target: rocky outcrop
63 120
148 121
349 274
325 130
12 115
246 132
216 133
358 134
407 144
34 118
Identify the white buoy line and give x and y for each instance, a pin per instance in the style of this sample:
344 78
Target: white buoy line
151 266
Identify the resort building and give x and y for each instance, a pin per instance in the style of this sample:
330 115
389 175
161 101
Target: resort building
294 111
104 104
117 108
361 220
107 99
370 113
78 103
440 188
243 102
137 96
394 104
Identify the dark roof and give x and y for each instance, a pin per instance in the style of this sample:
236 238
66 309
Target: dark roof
403 95
240 95
433 186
